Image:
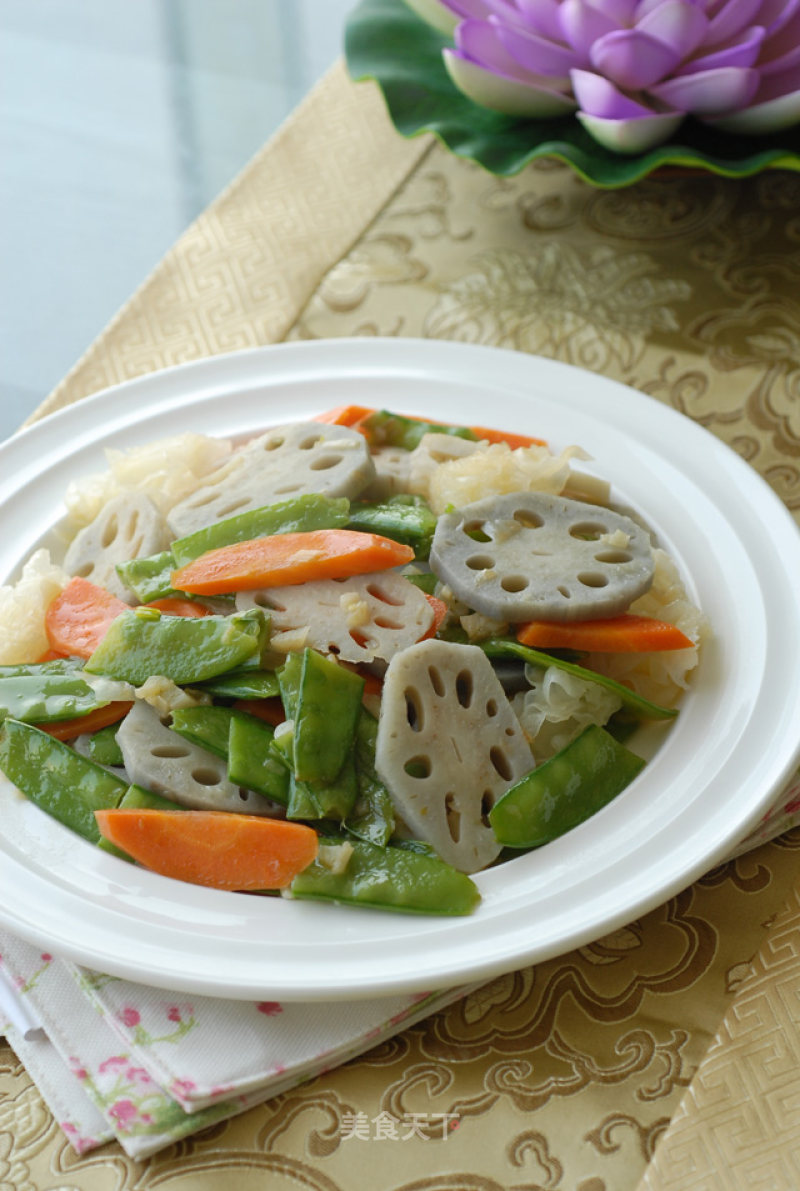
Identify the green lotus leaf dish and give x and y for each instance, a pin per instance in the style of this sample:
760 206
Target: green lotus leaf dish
387 41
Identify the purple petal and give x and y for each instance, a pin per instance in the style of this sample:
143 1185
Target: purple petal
776 14
679 25
710 93
633 60
731 18
536 54
479 41
631 136
542 16
741 52
509 96
598 97
621 12
583 25
465 9
787 62
776 86
779 49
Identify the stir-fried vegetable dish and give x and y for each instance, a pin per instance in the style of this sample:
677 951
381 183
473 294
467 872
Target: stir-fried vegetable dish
355 659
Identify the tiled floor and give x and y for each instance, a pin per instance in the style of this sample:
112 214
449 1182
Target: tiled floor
120 120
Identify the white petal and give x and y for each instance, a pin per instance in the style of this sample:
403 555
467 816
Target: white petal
631 136
502 94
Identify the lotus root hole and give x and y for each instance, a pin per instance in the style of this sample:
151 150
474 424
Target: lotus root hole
418 767
500 762
378 593
203 499
110 531
172 752
383 622
308 444
205 776
414 710
491 707
325 462
85 571
588 531
513 583
611 556
593 579
528 520
244 795
565 592
230 509
274 443
477 531
453 817
285 489
487 802
464 687
480 562
436 681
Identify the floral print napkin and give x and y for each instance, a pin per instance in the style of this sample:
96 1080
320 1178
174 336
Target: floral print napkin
131 1062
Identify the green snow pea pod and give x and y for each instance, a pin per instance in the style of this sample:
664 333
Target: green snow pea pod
301 513
58 780
372 815
55 666
244 684
403 518
47 696
149 578
500 646
325 717
141 643
564 791
386 429
251 758
387 878
207 726
324 800
102 747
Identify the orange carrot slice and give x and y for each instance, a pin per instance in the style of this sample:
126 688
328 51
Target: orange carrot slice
214 848
508 437
92 722
627 633
344 415
175 606
78 618
440 611
286 559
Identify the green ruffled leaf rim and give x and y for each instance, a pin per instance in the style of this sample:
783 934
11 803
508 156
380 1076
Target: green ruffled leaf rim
387 42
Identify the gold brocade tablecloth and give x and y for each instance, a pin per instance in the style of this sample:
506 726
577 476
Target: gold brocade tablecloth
660 1056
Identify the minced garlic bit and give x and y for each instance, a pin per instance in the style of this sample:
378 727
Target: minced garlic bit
479 627
164 696
335 857
355 609
618 540
289 640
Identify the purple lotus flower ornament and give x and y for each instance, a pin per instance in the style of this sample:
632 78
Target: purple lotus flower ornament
630 70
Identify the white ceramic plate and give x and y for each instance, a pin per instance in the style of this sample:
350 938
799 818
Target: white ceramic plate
735 742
